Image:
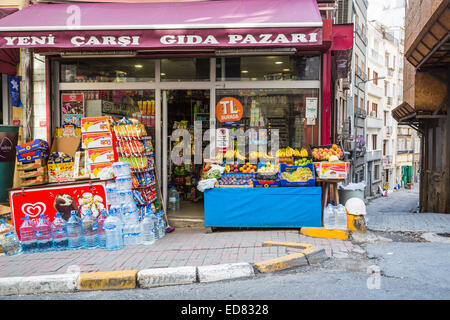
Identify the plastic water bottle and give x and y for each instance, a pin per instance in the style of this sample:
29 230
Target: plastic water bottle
44 234
101 238
329 218
8 239
74 231
341 217
113 232
174 200
162 223
10 244
28 235
148 230
59 231
89 230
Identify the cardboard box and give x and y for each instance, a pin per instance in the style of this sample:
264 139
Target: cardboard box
68 145
100 155
60 172
96 140
95 124
81 166
34 145
331 170
96 168
33 155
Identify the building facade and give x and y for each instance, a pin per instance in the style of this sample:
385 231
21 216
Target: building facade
354 125
426 105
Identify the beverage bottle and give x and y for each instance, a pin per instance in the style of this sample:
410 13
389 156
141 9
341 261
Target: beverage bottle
28 235
74 231
329 218
89 230
59 231
44 234
172 199
341 217
162 223
148 229
10 244
113 232
100 231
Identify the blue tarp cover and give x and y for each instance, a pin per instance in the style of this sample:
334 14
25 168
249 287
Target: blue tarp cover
290 207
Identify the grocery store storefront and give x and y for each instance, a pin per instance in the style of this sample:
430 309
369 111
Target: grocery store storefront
274 58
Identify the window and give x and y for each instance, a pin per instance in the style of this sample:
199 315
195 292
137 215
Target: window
139 104
386 57
386 86
368 72
374 110
375 76
355 104
393 62
107 70
361 103
376 172
384 147
374 142
282 109
185 69
356 63
259 68
368 110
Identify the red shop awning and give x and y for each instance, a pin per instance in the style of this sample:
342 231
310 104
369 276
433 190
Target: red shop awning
9 58
162 25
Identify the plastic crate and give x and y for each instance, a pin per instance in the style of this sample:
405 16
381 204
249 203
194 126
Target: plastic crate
286 183
266 183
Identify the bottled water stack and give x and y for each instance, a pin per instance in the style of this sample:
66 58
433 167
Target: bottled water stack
44 234
74 231
28 235
59 232
89 230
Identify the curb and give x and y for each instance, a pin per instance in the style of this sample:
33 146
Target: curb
61 283
112 280
157 277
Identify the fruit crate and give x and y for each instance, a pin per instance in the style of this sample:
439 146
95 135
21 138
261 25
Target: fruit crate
328 146
290 169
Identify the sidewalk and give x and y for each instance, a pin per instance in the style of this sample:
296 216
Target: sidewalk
395 213
183 247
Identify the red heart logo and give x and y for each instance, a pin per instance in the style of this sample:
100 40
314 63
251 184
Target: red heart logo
34 209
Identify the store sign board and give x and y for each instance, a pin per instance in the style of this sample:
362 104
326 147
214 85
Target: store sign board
203 38
229 109
50 200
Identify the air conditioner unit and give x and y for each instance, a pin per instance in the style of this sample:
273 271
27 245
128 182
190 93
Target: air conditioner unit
349 145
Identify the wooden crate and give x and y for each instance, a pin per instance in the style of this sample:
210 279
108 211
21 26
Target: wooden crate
32 173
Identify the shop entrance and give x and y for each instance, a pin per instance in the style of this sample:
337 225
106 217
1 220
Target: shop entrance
180 110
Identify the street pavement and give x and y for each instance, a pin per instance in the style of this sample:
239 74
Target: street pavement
398 212
183 247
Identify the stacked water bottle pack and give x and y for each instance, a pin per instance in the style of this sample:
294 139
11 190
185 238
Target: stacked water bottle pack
111 231
134 147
